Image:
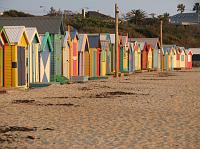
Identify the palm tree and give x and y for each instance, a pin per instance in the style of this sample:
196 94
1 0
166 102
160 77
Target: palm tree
196 7
181 8
136 16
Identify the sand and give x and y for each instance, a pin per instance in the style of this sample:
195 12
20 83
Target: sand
142 111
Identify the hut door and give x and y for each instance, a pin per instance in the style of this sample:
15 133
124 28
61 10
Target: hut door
21 65
75 60
1 65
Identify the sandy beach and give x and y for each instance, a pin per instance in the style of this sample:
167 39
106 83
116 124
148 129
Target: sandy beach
146 110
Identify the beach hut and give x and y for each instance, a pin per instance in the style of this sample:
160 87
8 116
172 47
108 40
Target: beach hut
53 25
112 49
146 57
106 49
45 52
3 41
83 49
123 55
182 57
195 57
33 51
190 59
66 56
74 53
131 60
166 59
16 57
171 56
94 55
178 53
154 43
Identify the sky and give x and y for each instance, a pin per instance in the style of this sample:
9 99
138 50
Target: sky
104 6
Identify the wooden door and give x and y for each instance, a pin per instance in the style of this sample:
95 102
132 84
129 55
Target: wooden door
21 66
66 62
45 66
1 65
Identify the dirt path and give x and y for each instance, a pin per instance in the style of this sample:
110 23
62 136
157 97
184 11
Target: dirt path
141 111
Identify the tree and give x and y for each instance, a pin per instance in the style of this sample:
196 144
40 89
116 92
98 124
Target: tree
196 7
54 12
181 8
136 16
15 13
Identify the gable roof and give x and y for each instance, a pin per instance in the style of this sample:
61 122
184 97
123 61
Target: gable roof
94 40
74 34
53 25
15 33
31 33
66 38
195 51
2 30
83 40
46 39
151 41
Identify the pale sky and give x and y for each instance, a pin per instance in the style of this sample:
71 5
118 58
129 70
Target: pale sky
105 6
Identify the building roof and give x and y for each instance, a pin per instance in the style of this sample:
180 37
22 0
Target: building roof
53 25
195 51
15 33
74 34
83 40
46 39
94 40
154 42
31 33
66 38
185 18
3 36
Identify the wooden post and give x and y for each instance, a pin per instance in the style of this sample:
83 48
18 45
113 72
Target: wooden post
161 43
116 40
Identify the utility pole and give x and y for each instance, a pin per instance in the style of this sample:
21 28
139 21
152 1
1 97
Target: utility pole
116 40
161 43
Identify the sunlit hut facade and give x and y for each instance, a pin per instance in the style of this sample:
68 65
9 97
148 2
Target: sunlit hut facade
182 57
146 57
16 57
94 52
33 51
124 54
190 59
66 56
83 55
105 41
53 25
137 53
178 54
74 53
171 56
3 42
45 52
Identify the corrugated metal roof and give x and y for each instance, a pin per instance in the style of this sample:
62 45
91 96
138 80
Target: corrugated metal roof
53 25
152 41
15 33
94 40
31 33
